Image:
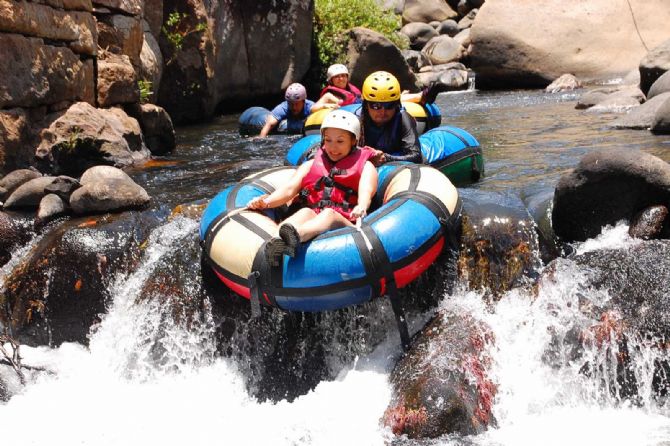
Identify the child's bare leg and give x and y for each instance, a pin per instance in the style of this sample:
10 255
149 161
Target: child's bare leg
299 218
324 221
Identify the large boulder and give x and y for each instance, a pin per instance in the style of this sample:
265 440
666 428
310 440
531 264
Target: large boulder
102 192
608 186
369 51
531 44
10 182
29 194
654 64
121 35
441 386
157 129
151 64
85 136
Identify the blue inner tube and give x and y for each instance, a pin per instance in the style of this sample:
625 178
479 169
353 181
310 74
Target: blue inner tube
337 268
252 120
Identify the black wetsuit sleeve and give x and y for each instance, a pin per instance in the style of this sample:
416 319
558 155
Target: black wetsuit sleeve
409 144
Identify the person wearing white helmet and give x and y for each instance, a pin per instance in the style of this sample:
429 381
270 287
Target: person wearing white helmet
338 89
337 187
294 109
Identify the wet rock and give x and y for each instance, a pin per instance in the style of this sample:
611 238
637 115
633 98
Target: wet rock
539 205
59 290
9 237
619 101
16 178
51 206
29 194
648 223
608 186
497 248
108 195
566 82
441 386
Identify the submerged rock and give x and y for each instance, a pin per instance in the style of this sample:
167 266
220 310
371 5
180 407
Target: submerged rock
441 386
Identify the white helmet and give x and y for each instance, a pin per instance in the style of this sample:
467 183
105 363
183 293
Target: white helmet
335 70
342 119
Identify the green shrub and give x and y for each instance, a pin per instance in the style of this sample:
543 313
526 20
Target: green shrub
145 90
333 18
176 28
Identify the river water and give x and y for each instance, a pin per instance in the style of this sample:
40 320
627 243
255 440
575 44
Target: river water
113 392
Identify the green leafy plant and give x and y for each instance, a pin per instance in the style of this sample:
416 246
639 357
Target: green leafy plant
145 90
333 18
176 28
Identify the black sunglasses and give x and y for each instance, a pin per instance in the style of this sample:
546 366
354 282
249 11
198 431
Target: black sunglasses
384 105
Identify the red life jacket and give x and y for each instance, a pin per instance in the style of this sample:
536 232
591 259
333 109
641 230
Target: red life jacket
348 95
334 185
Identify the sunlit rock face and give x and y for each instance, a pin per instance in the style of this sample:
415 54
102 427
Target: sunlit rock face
245 52
533 43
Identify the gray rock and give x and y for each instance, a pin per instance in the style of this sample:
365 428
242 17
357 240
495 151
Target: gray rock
660 86
592 97
415 59
642 117
443 49
16 178
107 196
661 122
427 11
62 186
51 206
463 37
608 186
418 34
448 27
100 173
29 194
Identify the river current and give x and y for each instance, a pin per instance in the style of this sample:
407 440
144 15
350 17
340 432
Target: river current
113 393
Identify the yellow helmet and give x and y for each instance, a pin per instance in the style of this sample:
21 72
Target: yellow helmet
381 86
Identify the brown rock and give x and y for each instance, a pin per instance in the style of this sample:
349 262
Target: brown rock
51 74
121 34
648 223
15 140
427 11
567 82
117 81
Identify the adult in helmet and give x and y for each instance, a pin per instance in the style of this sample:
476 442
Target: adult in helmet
337 184
295 109
338 89
387 127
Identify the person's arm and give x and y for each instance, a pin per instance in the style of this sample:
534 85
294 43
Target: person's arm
410 147
270 123
284 193
326 101
367 186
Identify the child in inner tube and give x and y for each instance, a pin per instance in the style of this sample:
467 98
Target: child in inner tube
338 185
